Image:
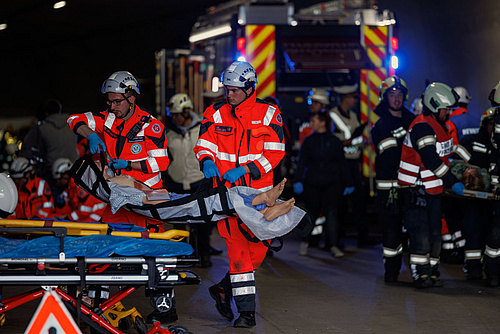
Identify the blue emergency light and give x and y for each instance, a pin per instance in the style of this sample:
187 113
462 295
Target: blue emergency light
394 62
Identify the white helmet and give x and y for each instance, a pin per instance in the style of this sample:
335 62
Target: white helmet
19 167
8 196
60 166
319 95
495 96
239 74
417 106
120 82
438 96
178 102
464 95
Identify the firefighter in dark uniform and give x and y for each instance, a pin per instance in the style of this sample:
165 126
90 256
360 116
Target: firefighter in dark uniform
476 150
492 250
423 173
387 137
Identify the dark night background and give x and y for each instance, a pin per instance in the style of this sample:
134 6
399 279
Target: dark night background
68 53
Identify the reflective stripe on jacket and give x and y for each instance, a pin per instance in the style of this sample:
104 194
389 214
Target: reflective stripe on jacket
344 129
411 168
250 135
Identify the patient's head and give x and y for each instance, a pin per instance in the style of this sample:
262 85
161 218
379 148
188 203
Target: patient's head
472 180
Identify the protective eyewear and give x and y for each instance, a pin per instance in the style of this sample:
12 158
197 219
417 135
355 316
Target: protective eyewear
116 102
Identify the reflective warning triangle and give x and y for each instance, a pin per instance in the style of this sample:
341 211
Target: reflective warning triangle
52 316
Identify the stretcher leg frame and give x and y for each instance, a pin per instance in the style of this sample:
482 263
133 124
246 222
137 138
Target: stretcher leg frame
157 329
93 317
116 298
13 302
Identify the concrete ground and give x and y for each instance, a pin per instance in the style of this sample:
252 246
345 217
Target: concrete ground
321 294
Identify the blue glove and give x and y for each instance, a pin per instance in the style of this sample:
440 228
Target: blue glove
95 142
348 191
298 188
234 174
458 188
210 169
118 163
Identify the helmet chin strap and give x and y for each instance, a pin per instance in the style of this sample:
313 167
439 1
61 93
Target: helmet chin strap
245 91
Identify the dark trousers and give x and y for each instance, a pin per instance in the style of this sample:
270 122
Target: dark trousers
477 215
391 219
452 209
492 251
356 200
424 231
324 198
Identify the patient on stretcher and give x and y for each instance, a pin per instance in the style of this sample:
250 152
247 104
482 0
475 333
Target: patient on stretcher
264 202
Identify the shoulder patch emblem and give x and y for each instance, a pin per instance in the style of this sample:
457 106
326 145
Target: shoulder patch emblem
156 128
279 119
136 148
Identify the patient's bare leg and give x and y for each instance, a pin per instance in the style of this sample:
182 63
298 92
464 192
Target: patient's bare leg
269 197
273 212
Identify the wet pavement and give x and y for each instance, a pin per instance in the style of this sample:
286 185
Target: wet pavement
322 294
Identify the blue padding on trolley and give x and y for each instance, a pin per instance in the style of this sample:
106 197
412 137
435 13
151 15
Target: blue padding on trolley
92 246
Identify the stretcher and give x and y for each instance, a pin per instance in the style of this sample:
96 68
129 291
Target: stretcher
88 257
208 203
473 194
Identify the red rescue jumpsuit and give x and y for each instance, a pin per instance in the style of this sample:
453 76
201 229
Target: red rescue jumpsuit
250 134
39 201
88 208
148 146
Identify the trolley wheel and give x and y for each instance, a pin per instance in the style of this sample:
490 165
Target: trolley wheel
124 323
140 325
178 329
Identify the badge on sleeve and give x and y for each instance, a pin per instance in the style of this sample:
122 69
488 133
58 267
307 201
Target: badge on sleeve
279 119
156 128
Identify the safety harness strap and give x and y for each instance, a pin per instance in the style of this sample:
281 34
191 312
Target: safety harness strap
267 243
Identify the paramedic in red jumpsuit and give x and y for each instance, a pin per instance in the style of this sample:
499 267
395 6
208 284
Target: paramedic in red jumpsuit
135 142
241 139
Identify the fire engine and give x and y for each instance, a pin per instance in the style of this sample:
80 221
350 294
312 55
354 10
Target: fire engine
334 43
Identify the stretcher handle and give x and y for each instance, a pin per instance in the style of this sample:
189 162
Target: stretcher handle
172 235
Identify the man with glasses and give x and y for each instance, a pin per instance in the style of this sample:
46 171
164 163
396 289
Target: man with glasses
135 142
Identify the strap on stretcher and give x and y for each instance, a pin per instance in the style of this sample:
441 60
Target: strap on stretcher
88 176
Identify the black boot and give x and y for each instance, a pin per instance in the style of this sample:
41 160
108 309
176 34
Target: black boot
163 317
245 320
424 281
222 295
492 281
